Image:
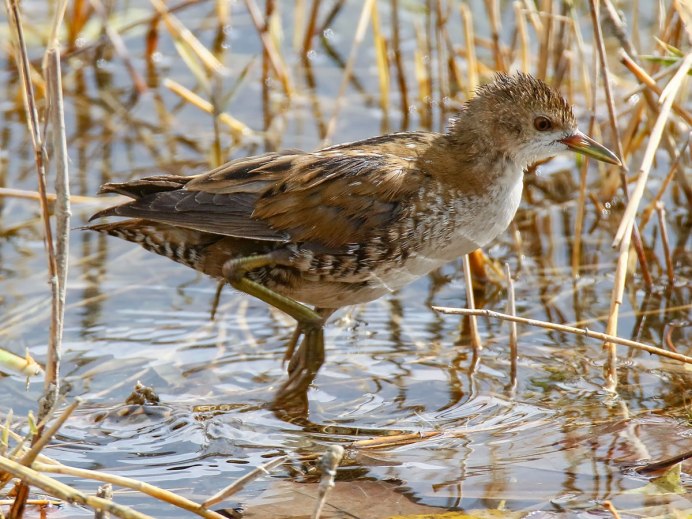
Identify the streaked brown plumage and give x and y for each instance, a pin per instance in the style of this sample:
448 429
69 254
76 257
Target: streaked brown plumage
349 223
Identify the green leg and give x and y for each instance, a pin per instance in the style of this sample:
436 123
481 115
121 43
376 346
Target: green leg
234 271
291 399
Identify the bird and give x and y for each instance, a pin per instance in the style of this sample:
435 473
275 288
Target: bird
312 232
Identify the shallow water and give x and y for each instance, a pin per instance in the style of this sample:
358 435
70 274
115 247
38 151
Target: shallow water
555 442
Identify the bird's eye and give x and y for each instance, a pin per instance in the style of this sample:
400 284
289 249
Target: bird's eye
542 124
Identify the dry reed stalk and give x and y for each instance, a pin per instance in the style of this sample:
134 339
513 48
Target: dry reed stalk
473 324
382 60
626 230
660 210
240 483
328 464
605 74
56 116
355 45
523 37
51 197
65 492
512 310
275 59
310 29
654 140
182 36
124 482
584 332
534 16
471 61
238 128
423 77
649 82
545 39
441 57
400 72
648 210
119 47
493 9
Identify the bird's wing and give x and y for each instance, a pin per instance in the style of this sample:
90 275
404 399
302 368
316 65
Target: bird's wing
334 197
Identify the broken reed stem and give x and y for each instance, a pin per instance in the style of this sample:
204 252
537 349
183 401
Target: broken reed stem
104 492
512 310
355 45
584 332
660 210
473 323
240 483
328 465
62 491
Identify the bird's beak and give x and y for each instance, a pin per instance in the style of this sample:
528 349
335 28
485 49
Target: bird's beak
583 144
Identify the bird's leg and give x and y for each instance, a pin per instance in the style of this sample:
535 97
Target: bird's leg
291 399
235 270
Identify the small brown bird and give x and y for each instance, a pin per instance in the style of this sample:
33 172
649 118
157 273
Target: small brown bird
350 223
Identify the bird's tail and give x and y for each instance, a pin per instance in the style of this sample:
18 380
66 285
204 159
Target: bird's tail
185 246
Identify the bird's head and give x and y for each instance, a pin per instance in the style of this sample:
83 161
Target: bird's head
524 119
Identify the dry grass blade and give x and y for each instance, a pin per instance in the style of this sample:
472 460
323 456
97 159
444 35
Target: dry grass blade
65 492
585 332
239 483
238 128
